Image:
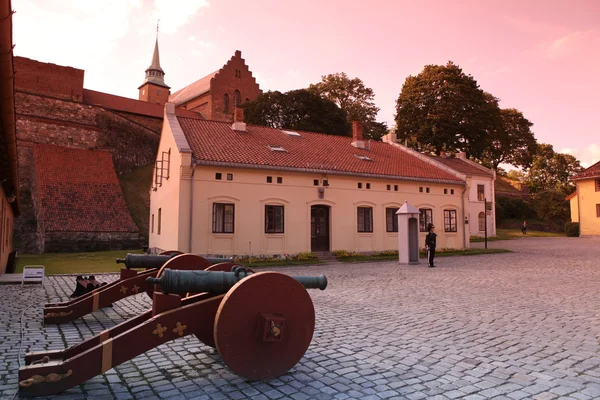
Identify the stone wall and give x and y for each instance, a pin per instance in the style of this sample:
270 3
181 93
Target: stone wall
58 242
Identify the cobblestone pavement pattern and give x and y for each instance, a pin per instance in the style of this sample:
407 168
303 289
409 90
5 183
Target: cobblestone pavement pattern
521 325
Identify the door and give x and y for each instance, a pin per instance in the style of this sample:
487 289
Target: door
319 228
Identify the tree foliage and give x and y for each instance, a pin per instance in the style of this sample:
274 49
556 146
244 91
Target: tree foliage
352 96
297 109
443 109
511 141
548 180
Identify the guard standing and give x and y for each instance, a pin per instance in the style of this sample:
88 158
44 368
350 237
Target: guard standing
430 245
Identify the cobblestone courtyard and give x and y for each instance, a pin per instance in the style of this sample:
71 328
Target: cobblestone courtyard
521 325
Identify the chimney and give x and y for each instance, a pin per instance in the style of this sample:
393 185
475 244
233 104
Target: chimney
238 120
357 134
462 155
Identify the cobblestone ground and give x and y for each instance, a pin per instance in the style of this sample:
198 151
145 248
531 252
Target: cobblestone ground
521 325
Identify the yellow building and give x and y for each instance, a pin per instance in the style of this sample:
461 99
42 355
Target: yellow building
235 189
585 202
9 182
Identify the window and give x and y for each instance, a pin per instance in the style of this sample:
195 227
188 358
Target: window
451 191
449 220
391 220
325 182
425 218
229 177
368 186
316 182
360 185
480 192
159 215
273 219
395 188
445 191
152 224
237 98
420 189
269 179
481 221
427 190
365 219
279 179
388 187
597 181
218 176
222 218
225 103
598 210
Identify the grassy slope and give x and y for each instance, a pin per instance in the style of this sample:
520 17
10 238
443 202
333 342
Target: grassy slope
75 263
508 234
136 190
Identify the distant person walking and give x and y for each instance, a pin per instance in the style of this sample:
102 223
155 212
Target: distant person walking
524 228
430 245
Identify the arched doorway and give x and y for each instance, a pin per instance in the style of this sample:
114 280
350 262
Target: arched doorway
319 228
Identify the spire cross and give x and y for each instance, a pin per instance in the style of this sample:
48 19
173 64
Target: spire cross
157 22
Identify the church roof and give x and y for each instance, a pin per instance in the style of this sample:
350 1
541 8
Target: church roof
590 172
192 90
78 191
217 143
154 73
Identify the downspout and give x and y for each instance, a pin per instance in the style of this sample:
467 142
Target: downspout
578 209
194 163
464 217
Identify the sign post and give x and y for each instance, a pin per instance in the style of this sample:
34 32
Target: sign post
485 220
33 273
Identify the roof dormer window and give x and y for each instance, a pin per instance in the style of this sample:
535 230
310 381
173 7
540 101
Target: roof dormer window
291 133
363 157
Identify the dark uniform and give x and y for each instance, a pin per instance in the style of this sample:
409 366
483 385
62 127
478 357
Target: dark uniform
430 245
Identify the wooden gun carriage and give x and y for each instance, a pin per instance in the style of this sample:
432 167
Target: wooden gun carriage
260 323
131 282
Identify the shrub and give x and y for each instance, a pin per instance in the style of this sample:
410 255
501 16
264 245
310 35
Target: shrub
387 253
572 229
345 253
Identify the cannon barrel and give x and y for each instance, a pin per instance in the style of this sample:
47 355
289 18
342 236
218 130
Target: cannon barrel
217 282
134 261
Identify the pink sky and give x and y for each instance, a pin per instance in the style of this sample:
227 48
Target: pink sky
541 57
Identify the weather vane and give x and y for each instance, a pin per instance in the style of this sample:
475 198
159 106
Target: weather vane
157 21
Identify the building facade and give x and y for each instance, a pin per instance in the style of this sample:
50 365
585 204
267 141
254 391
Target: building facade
9 179
216 95
585 202
237 189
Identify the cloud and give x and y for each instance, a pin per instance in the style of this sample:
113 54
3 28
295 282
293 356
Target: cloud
173 15
90 30
587 156
569 43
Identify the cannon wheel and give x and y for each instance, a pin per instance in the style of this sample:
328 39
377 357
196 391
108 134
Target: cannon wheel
267 316
170 253
183 262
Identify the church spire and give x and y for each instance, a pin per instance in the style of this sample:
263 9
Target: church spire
154 73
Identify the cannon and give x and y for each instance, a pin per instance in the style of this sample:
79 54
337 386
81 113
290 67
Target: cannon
261 323
131 282
136 261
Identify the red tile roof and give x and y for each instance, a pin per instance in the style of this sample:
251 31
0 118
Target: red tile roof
462 166
590 172
569 197
192 90
78 191
216 142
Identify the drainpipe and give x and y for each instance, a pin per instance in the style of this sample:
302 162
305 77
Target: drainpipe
194 163
578 209
463 221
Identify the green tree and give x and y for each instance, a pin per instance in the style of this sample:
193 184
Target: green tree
511 141
443 109
352 96
548 180
297 109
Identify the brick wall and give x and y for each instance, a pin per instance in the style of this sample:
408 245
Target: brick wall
131 139
50 79
234 75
